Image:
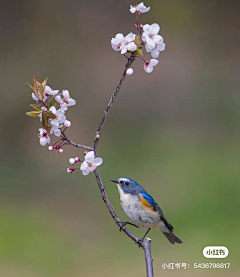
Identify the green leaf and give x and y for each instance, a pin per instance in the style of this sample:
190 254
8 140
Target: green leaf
51 104
44 120
136 40
139 52
36 107
33 113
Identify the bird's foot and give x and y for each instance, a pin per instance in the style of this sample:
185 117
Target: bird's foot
140 242
123 224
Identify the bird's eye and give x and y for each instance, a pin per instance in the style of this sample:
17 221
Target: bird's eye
126 183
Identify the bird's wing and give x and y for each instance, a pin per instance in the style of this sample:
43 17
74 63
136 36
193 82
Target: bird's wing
152 203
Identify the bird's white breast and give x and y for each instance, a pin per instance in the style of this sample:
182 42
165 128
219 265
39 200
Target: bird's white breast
141 216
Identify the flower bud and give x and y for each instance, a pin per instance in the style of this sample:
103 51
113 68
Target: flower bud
76 159
85 153
141 26
61 150
70 170
129 71
50 148
67 123
72 161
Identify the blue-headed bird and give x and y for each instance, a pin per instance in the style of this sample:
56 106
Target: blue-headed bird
142 210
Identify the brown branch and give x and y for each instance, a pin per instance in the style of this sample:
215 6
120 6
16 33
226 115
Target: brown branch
70 142
148 257
146 245
113 96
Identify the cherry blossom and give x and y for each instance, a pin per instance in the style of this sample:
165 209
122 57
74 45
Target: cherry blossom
55 131
138 9
90 163
60 117
43 136
158 48
117 42
124 43
66 101
150 36
148 66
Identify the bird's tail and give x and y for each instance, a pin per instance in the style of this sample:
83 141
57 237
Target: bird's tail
171 237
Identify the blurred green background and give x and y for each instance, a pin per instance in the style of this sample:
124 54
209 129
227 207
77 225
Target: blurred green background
175 131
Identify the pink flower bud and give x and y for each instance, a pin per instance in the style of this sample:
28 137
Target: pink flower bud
129 71
72 161
70 170
85 153
141 26
67 123
50 148
61 150
76 159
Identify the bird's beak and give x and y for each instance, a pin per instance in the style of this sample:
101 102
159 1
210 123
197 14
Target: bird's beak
114 181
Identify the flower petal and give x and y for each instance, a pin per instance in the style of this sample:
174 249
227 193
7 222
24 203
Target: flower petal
85 172
58 99
155 53
157 39
90 156
119 37
97 161
147 28
161 46
84 166
155 28
153 62
148 68
132 46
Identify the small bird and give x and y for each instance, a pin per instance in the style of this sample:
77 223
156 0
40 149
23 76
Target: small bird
142 209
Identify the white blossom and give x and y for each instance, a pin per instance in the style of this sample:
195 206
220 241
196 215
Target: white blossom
138 9
150 36
60 117
124 43
90 163
43 136
117 42
66 101
158 48
55 131
148 66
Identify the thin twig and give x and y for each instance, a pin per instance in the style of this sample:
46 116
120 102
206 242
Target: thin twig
113 96
70 142
146 245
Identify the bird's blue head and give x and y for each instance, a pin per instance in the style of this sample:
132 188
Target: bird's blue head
128 186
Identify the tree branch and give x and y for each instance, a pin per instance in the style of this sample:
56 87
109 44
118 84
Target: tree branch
148 257
69 141
113 96
146 245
